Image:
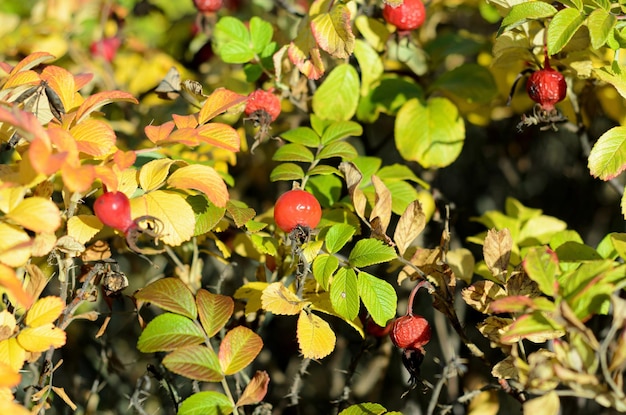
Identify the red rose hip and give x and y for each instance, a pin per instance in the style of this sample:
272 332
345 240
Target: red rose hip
207 6
113 210
410 332
263 101
406 17
297 208
546 86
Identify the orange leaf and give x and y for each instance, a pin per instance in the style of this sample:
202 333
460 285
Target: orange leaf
316 338
78 178
220 135
93 137
32 60
256 389
202 178
95 101
42 159
214 310
8 376
185 121
64 142
41 338
106 176
15 250
186 136
62 82
12 354
124 159
37 214
21 78
157 133
45 311
82 79
238 349
219 101
10 282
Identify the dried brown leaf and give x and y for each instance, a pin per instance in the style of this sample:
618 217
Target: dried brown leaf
382 204
497 252
353 180
410 225
481 294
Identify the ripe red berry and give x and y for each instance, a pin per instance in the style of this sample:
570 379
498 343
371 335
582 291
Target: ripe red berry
265 104
406 17
375 330
113 209
105 48
297 207
547 87
410 332
207 6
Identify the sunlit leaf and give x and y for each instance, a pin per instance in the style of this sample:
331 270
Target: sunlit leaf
302 135
293 152
252 293
238 349
324 266
206 403
10 282
37 214
286 171
481 294
15 245
338 96
562 28
220 100
410 226
365 408
240 212
378 296
100 99
169 332
536 327
332 31
170 294
220 135
304 52
548 404
46 310
94 137
600 24
197 362
522 12
41 338
158 133
231 40
542 266
214 310
255 390
153 174
369 252
278 299
10 377
315 337
497 252
12 354
608 155
202 178
83 227
344 294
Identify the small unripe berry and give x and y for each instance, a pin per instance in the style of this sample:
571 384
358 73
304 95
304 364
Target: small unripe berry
410 332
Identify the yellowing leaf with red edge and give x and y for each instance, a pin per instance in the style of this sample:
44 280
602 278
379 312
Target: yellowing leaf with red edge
158 133
46 310
30 78
32 60
276 298
37 214
214 310
15 247
62 82
9 377
83 227
12 354
78 178
315 337
305 54
252 293
238 349
333 32
170 294
220 100
171 209
256 389
100 99
202 178
94 137
41 338
185 121
220 135
124 159
196 362
153 174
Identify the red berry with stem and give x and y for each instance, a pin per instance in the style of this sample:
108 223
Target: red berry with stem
297 207
406 17
207 6
410 332
105 48
546 87
263 105
113 209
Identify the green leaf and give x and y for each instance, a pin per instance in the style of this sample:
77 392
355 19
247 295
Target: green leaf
338 96
326 188
333 32
367 408
214 310
344 294
402 193
379 298
367 166
196 362
369 60
618 241
528 10
170 294
322 169
391 94
539 230
302 135
337 236
608 155
536 327
400 172
471 82
169 332
615 76
515 209
293 152
206 403
324 266
207 214
371 251
286 171
542 266
601 24
562 28
341 149
261 33
231 41
431 134
238 349
240 212
340 130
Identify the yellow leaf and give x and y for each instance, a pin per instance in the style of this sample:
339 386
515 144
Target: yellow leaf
218 102
251 292
171 209
43 243
10 197
12 354
548 404
94 137
41 338
46 310
83 227
316 338
128 181
9 377
333 32
7 324
63 395
10 282
8 406
37 214
153 174
202 178
220 135
276 298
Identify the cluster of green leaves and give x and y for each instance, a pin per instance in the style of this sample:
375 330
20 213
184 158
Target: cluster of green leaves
542 283
189 332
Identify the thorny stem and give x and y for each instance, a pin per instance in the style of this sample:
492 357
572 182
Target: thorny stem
294 391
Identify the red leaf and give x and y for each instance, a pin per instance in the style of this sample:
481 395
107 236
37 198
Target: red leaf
255 390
